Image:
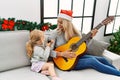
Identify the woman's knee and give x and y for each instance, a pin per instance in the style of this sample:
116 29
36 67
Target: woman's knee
92 61
102 59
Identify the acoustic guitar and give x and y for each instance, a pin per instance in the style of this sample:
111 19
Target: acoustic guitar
77 45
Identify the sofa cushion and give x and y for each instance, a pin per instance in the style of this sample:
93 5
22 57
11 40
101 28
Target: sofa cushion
85 74
96 47
113 58
22 74
12 49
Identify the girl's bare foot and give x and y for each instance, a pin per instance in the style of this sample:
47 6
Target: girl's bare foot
45 72
56 78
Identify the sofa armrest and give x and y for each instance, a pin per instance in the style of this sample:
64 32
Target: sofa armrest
112 58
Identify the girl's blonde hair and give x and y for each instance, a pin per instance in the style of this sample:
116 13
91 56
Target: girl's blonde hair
34 37
69 29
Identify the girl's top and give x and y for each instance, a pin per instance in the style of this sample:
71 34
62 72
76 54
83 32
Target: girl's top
40 54
43 53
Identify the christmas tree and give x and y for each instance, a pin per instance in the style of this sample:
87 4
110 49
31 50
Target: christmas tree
115 43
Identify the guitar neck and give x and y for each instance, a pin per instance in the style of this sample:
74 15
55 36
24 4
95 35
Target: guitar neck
88 35
98 26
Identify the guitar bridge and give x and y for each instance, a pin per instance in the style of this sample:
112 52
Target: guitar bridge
65 59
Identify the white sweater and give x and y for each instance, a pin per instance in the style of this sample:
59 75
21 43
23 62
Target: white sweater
40 54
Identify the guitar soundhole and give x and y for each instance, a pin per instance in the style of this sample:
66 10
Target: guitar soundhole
73 47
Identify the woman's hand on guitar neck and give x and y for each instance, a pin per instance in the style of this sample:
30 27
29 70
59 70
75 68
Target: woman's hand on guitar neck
94 31
68 54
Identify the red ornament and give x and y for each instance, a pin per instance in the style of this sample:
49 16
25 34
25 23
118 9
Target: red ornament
45 27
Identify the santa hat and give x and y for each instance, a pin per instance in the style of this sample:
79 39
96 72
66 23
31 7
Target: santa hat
66 14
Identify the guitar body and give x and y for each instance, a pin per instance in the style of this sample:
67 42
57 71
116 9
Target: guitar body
67 64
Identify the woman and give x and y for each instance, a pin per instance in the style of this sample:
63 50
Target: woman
64 32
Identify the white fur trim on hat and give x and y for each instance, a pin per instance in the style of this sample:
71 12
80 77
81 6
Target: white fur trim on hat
65 16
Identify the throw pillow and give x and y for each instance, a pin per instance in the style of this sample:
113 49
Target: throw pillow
96 47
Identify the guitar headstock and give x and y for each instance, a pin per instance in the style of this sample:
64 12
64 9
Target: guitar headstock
107 20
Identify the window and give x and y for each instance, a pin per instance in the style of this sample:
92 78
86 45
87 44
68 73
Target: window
113 10
83 12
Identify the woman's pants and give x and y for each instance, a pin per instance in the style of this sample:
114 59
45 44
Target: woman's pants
98 63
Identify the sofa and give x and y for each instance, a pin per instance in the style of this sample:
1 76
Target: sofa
15 65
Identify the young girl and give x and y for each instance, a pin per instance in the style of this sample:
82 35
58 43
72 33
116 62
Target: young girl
39 54
64 32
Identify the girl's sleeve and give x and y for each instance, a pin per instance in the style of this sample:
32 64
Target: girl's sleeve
53 53
53 36
42 53
46 53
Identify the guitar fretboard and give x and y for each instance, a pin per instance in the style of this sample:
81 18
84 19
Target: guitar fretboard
88 35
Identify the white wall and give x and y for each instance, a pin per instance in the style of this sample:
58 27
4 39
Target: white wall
20 9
